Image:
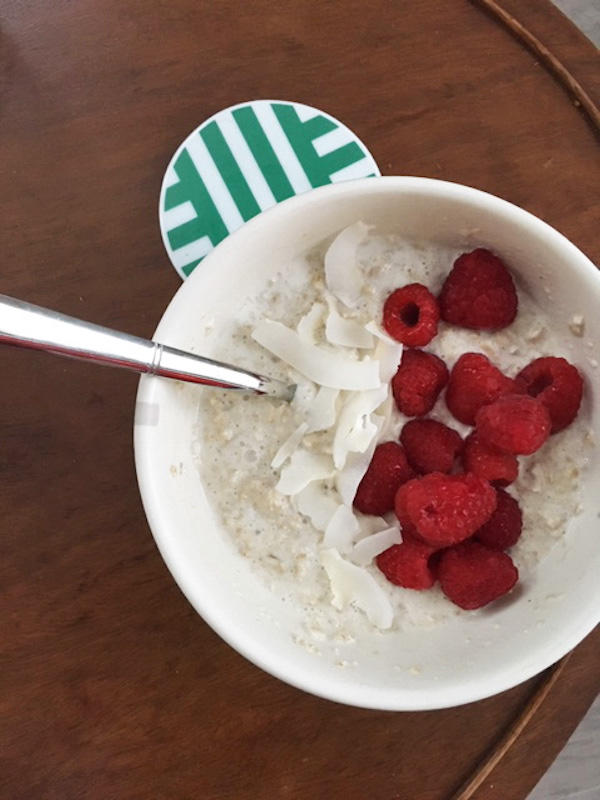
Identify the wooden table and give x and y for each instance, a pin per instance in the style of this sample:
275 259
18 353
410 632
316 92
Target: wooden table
110 685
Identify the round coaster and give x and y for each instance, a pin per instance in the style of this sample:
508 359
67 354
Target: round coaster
244 160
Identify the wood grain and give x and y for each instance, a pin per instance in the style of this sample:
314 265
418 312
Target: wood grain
110 685
502 748
512 767
579 96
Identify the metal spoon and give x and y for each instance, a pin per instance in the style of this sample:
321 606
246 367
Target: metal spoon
26 325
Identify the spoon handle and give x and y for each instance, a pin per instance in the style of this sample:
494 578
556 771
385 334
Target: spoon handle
26 325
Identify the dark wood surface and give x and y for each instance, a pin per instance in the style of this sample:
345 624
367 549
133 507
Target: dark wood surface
110 685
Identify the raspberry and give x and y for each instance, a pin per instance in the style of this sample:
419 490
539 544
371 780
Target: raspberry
430 446
409 534
406 523
445 509
472 575
503 528
479 292
417 384
517 424
475 382
488 462
387 471
407 565
411 315
557 385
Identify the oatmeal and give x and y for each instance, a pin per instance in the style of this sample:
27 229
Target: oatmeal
282 477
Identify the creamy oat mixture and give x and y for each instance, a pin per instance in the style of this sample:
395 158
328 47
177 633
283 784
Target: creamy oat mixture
283 534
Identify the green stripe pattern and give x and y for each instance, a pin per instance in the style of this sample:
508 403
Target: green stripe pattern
244 160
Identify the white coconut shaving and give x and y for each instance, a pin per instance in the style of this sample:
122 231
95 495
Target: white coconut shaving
316 503
311 322
342 529
346 332
388 352
304 467
318 365
365 550
353 585
343 274
323 410
289 447
385 414
348 479
355 430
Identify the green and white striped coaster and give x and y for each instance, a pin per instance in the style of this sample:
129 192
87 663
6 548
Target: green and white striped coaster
244 160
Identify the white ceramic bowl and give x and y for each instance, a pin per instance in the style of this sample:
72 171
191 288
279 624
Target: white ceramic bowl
471 656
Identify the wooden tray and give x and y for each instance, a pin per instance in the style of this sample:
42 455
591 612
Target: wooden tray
111 686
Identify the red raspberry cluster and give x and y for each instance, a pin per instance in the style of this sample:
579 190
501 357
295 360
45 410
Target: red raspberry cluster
456 519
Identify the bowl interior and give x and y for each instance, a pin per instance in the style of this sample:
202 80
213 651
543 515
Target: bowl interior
469 657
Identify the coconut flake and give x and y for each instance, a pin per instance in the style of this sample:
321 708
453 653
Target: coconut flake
342 273
308 325
379 333
370 524
348 478
368 548
389 357
352 584
289 446
361 435
385 412
353 422
341 530
346 332
388 352
316 503
323 410
320 366
304 467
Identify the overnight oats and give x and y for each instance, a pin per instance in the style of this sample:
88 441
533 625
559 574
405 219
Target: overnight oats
414 476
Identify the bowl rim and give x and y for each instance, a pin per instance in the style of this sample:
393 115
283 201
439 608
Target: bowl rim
357 696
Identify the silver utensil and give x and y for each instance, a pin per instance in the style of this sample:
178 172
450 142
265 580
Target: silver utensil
26 325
